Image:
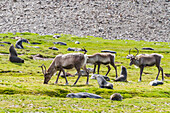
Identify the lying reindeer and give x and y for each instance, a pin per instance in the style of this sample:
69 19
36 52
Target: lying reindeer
144 60
66 61
102 58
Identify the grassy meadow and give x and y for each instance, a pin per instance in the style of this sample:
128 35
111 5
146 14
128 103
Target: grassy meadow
22 88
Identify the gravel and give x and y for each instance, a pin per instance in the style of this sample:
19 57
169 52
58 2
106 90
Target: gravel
147 20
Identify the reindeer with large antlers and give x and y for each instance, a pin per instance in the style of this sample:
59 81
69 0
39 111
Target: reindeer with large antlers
144 60
66 61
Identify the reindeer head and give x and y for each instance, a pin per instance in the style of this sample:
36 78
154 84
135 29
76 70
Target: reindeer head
47 76
132 57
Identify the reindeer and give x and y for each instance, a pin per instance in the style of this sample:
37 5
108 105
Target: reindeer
102 58
144 60
66 61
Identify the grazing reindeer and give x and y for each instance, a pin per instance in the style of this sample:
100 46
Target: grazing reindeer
102 58
67 61
143 60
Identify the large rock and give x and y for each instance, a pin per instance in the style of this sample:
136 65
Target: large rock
83 95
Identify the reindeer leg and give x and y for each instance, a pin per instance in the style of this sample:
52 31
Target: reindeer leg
98 69
94 70
160 69
108 70
162 74
65 77
141 71
113 64
79 74
158 73
57 77
87 82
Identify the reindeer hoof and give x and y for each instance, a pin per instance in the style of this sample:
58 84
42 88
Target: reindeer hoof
66 83
139 80
87 83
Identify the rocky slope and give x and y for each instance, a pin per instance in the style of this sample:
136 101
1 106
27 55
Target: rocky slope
111 19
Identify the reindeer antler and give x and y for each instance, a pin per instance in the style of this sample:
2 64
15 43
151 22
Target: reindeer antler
137 52
44 72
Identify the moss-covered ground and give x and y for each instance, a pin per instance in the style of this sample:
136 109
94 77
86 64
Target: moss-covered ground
22 88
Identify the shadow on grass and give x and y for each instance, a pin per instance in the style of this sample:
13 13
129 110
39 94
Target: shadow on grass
19 64
71 85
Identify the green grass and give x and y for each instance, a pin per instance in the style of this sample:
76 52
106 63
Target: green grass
22 88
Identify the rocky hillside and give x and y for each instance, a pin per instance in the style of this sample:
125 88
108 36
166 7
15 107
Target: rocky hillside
111 19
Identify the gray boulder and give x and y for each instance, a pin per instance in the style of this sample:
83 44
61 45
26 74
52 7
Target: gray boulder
56 36
83 95
77 42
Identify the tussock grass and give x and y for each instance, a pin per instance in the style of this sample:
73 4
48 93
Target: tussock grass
22 88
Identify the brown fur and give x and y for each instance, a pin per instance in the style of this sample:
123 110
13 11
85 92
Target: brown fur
67 61
102 58
144 60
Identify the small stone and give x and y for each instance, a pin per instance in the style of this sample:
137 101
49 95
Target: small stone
147 48
56 36
108 51
77 42
60 43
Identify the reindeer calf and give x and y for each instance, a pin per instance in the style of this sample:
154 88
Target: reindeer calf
66 61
